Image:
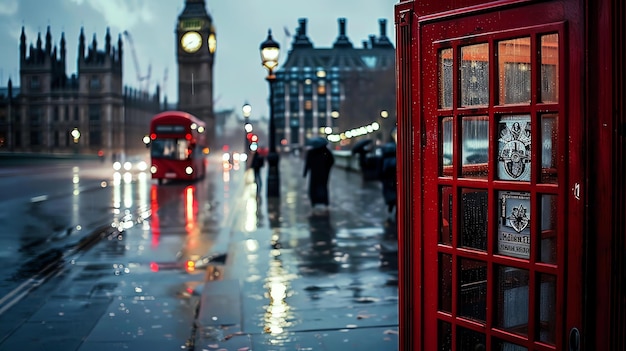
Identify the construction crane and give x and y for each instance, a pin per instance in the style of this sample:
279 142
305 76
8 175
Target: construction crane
164 87
141 79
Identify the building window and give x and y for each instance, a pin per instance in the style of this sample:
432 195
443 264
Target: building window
36 114
35 84
95 137
94 113
294 106
321 87
95 127
17 136
35 138
94 83
294 88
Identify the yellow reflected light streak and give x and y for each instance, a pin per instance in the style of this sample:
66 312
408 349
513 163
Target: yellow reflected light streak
252 245
75 198
128 190
278 312
251 217
117 190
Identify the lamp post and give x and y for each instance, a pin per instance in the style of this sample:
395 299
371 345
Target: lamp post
269 58
246 109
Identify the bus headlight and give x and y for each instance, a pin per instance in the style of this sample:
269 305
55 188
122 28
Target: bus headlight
188 170
153 169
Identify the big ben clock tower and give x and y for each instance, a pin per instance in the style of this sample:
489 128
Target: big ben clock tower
195 49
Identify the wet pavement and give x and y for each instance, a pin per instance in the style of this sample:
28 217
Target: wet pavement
298 278
294 278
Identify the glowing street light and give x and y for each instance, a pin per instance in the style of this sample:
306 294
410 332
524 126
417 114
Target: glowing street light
270 51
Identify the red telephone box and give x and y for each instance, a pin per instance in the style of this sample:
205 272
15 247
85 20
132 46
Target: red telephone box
499 126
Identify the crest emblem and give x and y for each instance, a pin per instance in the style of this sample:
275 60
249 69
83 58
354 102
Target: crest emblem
514 153
518 219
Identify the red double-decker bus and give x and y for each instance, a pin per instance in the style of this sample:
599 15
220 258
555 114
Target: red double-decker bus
178 146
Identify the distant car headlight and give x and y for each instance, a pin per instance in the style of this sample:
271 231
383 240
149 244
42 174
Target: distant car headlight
128 166
117 166
142 166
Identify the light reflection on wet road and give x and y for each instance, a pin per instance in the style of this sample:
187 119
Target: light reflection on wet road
300 272
317 280
115 291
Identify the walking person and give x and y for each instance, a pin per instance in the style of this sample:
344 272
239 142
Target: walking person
388 176
258 160
318 162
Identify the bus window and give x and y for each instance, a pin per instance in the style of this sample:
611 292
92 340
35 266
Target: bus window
175 149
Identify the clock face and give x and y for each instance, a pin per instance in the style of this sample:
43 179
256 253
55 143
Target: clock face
191 41
212 43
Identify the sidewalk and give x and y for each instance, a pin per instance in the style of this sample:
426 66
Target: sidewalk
297 279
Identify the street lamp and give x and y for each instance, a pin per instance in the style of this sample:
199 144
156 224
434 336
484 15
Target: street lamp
75 134
246 109
269 58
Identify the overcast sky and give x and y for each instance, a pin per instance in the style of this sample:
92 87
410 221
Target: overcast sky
241 26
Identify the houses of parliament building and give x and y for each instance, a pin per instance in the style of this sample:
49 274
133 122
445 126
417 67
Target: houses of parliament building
88 113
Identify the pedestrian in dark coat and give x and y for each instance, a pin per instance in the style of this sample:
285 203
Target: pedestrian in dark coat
387 172
257 163
318 162
388 175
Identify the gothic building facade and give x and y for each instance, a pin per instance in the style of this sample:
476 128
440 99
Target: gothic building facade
89 112
343 91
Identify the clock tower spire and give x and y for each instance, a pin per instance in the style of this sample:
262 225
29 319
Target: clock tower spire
195 51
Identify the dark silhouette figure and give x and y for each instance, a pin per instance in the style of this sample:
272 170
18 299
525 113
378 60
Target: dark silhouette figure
318 162
388 175
257 163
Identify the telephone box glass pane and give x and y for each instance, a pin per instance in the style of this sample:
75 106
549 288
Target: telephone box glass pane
447 153
514 144
472 300
547 249
549 135
475 146
474 73
512 300
470 340
500 345
514 71
474 219
550 68
445 78
445 282
445 335
514 224
547 308
445 213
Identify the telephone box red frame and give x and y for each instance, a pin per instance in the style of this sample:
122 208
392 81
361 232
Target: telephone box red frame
590 311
